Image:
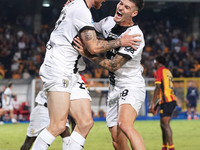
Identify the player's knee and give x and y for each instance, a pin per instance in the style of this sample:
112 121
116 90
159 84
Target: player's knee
88 124
125 127
85 123
57 128
164 125
115 145
118 145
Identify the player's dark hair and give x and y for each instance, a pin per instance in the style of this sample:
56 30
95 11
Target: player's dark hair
9 84
161 59
138 3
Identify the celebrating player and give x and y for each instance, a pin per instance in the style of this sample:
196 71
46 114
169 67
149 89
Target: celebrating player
59 71
164 88
7 101
127 87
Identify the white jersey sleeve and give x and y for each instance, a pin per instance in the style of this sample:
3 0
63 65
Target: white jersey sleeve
129 50
98 25
83 19
104 26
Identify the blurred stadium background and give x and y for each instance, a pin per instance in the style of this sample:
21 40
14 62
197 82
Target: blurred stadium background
171 28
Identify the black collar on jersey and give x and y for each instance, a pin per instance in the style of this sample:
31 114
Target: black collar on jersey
86 4
126 26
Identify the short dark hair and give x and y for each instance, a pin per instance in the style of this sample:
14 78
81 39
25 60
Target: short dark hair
9 84
161 59
139 4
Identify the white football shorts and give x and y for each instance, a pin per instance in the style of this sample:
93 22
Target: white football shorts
7 107
39 120
56 80
118 96
80 91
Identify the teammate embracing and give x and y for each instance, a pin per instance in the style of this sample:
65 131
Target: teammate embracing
59 72
127 87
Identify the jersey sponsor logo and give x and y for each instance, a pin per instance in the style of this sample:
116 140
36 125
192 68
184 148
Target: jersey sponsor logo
112 102
112 35
65 83
129 49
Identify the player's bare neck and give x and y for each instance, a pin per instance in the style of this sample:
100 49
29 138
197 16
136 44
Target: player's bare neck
89 3
126 24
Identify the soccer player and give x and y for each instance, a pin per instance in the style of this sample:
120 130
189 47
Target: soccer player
164 89
7 101
191 99
127 86
59 72
2 111
39 121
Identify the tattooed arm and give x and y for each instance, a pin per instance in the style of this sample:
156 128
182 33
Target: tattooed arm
110 65
94 46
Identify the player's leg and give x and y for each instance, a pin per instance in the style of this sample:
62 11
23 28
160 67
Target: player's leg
65 137
126 117
28 143
189 111
195 114
2 112
13 120
80 110
165 126
119 139
166 110
164 134
58 106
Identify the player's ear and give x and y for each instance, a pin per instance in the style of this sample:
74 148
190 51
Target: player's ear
134 13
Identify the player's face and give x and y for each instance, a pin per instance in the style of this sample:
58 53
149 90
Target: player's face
98 3
125 11
155 64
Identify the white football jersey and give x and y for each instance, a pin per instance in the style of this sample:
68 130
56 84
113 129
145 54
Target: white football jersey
130 74
74 18
9 98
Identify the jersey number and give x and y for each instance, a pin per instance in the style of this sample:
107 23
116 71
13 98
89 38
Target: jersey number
170 82
82 85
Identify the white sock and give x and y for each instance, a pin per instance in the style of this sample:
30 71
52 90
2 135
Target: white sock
43 141
65 144
77 141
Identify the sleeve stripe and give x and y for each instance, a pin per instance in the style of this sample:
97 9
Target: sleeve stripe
157 82
85 28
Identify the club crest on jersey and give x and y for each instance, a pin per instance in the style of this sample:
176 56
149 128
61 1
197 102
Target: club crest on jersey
65 83
32 131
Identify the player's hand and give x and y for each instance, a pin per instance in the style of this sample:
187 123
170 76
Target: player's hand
151 108
130 40
69 1
79 46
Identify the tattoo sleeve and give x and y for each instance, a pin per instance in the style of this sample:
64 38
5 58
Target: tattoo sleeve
110 65
98 45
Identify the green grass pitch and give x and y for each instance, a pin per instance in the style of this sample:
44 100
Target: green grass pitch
186 135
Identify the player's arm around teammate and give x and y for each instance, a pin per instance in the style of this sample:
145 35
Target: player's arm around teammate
127 114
